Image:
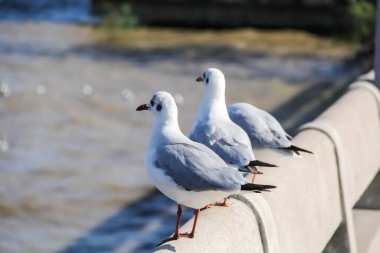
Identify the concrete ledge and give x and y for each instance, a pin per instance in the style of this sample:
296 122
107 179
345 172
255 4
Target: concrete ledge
355 119
265 220
315 193
220 229
307 195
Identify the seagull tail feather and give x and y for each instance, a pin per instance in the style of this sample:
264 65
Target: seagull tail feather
297 150
257 187
261 164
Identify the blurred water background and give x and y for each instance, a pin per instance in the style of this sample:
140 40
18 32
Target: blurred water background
72 177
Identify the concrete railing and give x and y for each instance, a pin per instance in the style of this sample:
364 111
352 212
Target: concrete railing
315 194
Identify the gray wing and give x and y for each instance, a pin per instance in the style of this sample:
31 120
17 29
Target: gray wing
196 168
280 137
262 128
226 139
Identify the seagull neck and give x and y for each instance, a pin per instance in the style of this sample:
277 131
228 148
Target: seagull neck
212 107
164 130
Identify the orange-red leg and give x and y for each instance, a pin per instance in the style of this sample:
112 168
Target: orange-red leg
207 207
192 233
178 224
196 214
177 234
224 203
253 178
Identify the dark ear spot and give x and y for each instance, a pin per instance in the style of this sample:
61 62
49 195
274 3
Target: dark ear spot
207 80
159 107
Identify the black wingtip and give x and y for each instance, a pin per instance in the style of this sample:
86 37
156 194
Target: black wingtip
257 187
261 164
302 150
297 150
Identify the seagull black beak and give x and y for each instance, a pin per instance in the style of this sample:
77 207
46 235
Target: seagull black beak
199 79
143 107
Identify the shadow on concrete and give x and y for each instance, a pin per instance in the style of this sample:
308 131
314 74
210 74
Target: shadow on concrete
137 227
370 200
339 241
371 197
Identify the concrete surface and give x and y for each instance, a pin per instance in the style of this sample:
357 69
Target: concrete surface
218 230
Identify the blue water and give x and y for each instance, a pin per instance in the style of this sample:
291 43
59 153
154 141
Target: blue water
46 10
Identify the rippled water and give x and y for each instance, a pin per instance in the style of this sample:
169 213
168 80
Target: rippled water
72 175
51 10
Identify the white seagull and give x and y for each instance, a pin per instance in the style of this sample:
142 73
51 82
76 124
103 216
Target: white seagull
187 172
214 128
263 129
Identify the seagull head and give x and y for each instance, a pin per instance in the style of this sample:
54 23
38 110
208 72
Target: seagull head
214 83
162 105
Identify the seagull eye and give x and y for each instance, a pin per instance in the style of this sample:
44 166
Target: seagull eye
159 107
207 80
151 102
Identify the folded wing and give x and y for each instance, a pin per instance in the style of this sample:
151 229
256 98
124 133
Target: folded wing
196 168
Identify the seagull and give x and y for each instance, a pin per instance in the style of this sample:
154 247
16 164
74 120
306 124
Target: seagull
214 128
186 171
263 129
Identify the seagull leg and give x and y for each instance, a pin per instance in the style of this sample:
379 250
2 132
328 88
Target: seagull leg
191 235
255 171
224 203
253 178
196 214
207 207
176 233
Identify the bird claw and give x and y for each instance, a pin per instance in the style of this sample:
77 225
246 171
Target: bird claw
176 237
221 204
207 207
186 235
224 203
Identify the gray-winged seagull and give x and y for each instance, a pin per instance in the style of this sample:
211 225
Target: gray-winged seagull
263 129
186 171
214 128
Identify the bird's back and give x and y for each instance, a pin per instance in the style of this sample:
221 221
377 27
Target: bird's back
262 128
226 139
